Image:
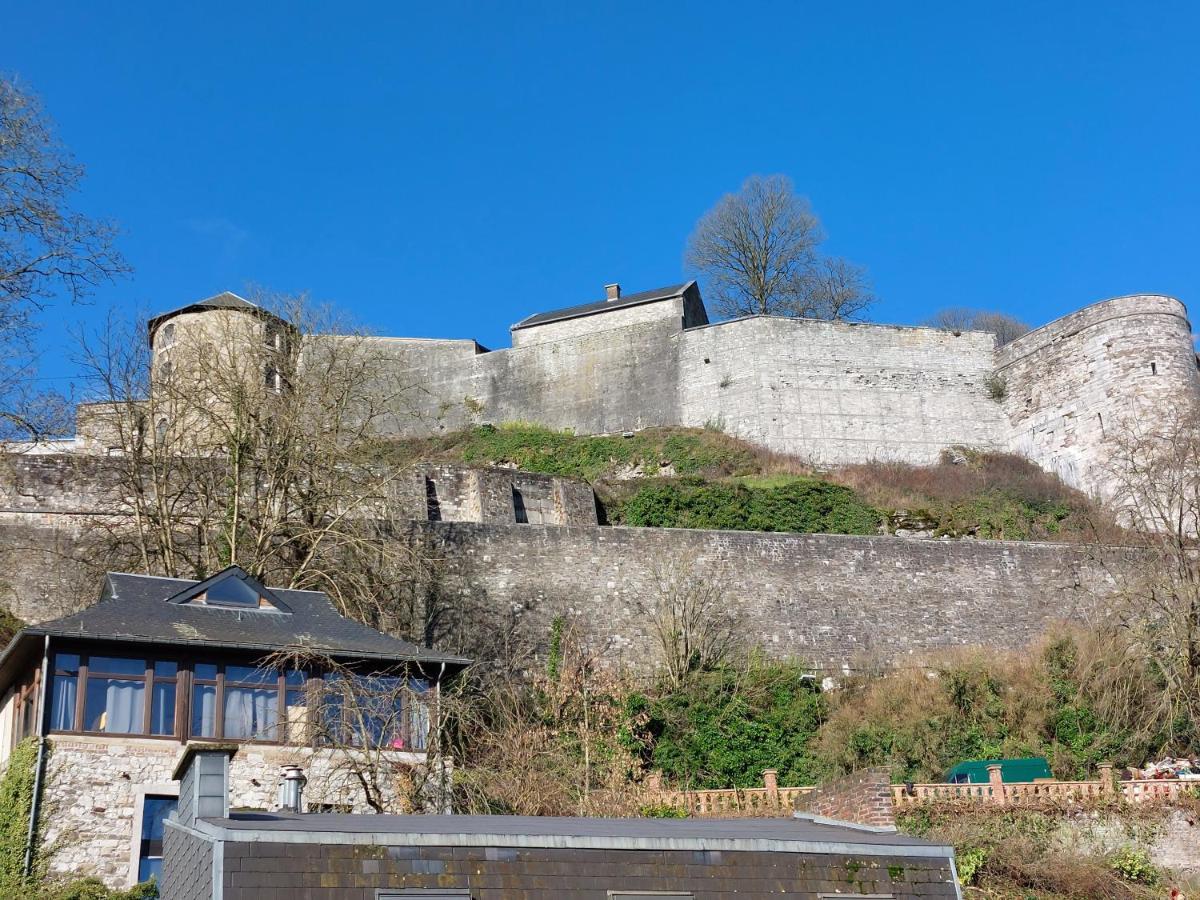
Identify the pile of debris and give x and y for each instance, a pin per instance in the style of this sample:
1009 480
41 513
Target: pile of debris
1168 767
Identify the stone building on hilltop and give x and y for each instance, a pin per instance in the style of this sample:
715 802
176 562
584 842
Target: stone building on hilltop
829 392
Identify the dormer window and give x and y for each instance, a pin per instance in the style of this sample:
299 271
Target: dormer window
232 592
231 589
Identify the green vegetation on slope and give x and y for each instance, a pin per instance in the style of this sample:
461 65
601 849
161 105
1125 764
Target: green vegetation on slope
800 505
699 478
9 626
730 724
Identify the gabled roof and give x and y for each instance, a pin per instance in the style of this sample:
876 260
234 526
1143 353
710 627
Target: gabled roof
223 300
601 306
138 609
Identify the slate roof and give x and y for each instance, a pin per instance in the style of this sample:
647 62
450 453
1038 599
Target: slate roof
795 834
223 300
137 608
600 306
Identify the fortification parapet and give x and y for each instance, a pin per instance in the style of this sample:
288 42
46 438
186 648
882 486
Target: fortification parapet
1072 385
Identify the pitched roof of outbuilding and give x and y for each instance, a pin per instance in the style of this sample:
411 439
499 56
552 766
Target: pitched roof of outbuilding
139 609
600 306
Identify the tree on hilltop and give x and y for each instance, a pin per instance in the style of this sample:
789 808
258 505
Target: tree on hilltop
759 252
46 249
1006 328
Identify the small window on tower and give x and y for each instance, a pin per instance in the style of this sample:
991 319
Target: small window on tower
166 337
1153 368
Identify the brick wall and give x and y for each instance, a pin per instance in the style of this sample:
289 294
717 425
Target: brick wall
864 797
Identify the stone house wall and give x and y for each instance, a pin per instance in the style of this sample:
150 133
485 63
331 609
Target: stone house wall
94 787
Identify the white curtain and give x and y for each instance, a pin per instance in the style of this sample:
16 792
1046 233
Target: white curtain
62 712
251 713
124 707
204 711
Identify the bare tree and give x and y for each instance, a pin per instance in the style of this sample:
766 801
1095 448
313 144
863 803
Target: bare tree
693 621
257 439
46 249
383 730
1006 328
759 252
1153 479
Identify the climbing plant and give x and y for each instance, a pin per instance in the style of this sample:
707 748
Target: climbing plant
16 802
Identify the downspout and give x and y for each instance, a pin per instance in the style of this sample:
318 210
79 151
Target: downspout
36 801
443 797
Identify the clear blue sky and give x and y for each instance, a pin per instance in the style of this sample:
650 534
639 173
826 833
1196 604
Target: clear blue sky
445 169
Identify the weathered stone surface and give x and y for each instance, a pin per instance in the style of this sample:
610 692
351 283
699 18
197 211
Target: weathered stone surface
833 600
94 787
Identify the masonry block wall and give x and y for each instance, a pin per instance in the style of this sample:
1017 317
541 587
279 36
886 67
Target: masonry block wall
863 797
94 788
1072 386
833 600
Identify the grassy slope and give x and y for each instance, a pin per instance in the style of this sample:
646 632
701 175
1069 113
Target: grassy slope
677 477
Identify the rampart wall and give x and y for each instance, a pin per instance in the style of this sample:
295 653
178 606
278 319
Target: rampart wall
1073 385
834 600
826 598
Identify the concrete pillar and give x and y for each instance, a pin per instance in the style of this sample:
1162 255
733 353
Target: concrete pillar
654 782
996 780
1106 778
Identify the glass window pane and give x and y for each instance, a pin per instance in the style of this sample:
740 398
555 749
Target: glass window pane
251 675
162 711
251 713
204 710
154 813
205 670
113 705
296 703
67 662
63 691
165 669
150 867
295 676
116 665
232 592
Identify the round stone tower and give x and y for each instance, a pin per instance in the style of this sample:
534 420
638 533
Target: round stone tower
1070 386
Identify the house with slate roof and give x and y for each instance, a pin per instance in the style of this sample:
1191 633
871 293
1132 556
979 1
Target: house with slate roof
112 693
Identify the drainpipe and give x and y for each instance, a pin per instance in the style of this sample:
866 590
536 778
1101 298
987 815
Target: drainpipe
437 699
36 801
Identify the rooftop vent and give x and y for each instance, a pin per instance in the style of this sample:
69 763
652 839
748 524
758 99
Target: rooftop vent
612 291
291 789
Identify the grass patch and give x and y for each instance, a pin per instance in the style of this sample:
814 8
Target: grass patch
9 626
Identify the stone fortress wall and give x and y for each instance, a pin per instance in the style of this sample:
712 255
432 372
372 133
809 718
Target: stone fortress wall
832 392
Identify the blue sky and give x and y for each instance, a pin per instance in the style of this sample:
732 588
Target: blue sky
445 169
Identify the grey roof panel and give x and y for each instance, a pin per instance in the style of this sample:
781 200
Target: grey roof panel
787 835
137 608
223 300
599 306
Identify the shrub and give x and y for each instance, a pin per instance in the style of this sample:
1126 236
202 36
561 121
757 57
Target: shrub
799 505
662 811
726 726
1134 865
9 626
969 861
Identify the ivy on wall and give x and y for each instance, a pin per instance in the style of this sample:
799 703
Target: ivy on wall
16 801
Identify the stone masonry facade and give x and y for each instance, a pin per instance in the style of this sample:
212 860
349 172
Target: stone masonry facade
94 787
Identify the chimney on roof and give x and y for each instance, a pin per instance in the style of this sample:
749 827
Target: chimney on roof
612 292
